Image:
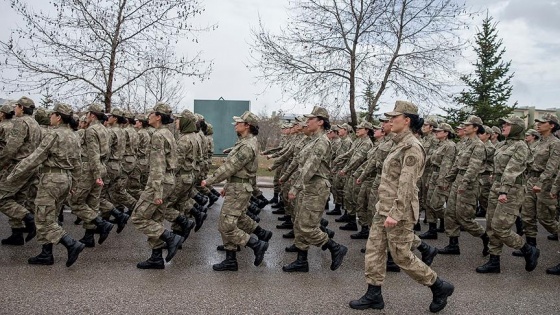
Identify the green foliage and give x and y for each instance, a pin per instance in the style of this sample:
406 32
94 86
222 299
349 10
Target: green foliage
489 87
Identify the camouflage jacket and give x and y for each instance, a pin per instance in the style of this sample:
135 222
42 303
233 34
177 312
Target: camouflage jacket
144 139
241 162
23 139
375 162
163 161
313 162
360 172
359 155
489 161
292 169
442 159
403 166
132 141
5 126
117 143
288 154
469 162
96 144
546 160
430 144
187 153
279 148
510 161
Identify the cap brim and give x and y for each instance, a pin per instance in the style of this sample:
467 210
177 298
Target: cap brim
393 114
309 116
377 127
503 120
541 120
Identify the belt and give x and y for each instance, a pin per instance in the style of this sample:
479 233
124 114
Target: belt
52 169
534 173
239 180
518 180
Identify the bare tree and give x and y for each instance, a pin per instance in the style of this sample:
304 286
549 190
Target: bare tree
269 129
331 48
98 48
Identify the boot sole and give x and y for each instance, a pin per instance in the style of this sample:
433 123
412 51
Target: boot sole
435 310
296 270
365 307
171 253
258 260
202 219
75 251
342 254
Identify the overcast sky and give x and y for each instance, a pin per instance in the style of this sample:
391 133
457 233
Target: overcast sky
530 30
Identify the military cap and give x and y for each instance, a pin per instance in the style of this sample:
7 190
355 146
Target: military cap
403 107
248 118
285 126
299 119
26 102
345 126
431 121
473 120
199 116
364 125
383 119
63 108
444 127
95 108
187 114
162 108
83 118
128 114
318 112
209 129
7 108
513 120
42 117
141 117
488 130
532 132
116 112
548 118
335 128
461 126
497 130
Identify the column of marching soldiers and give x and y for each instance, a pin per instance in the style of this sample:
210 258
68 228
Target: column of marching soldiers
112 167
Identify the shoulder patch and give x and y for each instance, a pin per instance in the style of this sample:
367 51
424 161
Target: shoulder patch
410 160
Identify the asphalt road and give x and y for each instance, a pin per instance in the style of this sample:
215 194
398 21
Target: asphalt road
105 279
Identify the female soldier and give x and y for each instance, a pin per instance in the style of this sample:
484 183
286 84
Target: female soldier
442 160
397 212
59 156
506 197
312 185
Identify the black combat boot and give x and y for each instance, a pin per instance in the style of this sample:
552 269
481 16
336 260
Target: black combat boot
531 241
73 247
215 192
324 222
172 241
492 266
291 249
289 234
391 266
431 233
428 253
44 258
480 212
78 221
213 198
330 233
351 225
186 227
200 199
279 211
16 239
338 252
554 270
103 228
263 200
552 237
252 216
274 200
121 219
259 248
29 221
519 226
262 234
89 238
286 217
485 242
441 228
441 290
299 265
372 299
61 216
335 211
286 225
229 264
199 218
154 262
452 248
531 254
343 218
417 226
222 248
200 208
278 205
362 235
254 208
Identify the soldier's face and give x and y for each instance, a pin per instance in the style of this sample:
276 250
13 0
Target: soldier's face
313 124
470 129
360 132
543 127
138 124
153 119
387 127
18 110
484 137
378 133
529 138
427 128
506 129
440 134
398 123
342 132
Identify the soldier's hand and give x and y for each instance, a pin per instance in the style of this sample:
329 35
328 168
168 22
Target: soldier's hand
553 196
223 192
203 183
270 168
390 222
99 182
358 181
342 173
536 189
268 157
502 198
158 201
291 196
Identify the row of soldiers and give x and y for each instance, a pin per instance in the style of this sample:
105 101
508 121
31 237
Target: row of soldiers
100 165
458 184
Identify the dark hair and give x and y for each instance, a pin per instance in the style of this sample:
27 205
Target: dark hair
144 123
370 133
480 129
451 135
68 119
416 123
326 122
27 110
537 137
131 121
203 127
165 119
9 115
555 126
121 119
254 130
100 116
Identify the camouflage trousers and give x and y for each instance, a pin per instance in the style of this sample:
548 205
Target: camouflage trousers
399 240
203 174
138 178
338 189
234 225
423 184
374 194
113 172
484 190
436 200
461 210
288 204
362 206
52 191
500 218
539 207
117 190
276 182
351 191
16 196
179 201
86 197
307 221
148 217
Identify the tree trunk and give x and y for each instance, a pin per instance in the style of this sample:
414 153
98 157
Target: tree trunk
352 93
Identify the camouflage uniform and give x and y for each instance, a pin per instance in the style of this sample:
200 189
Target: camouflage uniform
430 143
486 176
139 176
117 144
277 173
339 181
541 173
374 166
128 164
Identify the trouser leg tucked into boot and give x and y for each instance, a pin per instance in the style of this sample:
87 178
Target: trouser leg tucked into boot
492 266
121 219
299 265
431 233
172 241
89 238
338 252
44 258
259 248
262 234
154 262
428 253
372 299
103 228
73 247
531 254
441 290
452 248
29 221
229 264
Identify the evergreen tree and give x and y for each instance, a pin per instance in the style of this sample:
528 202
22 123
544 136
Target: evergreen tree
370 105
489 87
47 100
